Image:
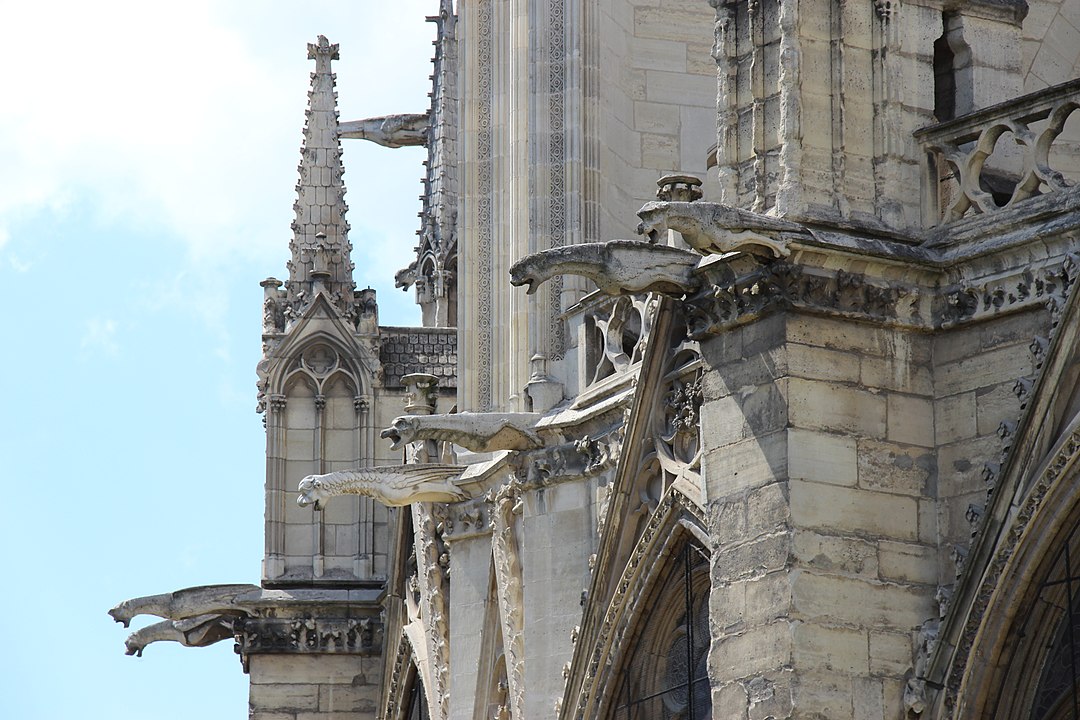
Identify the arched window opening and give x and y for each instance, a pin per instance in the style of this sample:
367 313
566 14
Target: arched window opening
944 76
1057 696
416 703
666 674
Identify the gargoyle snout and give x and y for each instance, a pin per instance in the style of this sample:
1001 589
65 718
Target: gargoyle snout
519 276
393 435
119 616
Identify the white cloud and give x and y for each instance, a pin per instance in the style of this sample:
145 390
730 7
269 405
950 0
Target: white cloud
184 120
100 335
17 264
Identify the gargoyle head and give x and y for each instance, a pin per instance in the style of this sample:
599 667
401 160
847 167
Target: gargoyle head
122 613
402 431
531 270
133 647
312 492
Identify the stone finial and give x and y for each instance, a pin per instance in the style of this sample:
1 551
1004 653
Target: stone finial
679 188
320 247
322 51
543 391
420 393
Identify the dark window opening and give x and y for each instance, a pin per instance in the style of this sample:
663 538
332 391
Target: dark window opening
944 75
667 674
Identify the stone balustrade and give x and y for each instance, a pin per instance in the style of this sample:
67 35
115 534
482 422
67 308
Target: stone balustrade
972 168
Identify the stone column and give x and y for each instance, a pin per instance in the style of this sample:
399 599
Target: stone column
274 559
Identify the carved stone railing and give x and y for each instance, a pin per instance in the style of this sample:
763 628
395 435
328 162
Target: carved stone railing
967 170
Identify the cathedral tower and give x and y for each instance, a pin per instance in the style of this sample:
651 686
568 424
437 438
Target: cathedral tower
319 341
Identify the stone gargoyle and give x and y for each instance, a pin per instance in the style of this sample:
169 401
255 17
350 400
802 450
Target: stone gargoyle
479 432
391 485
198 631
618 267
392 131
188 603
712 228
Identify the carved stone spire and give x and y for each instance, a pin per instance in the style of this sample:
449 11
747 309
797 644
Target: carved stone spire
320 245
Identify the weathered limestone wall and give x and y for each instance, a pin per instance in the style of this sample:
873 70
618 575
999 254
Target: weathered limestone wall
657 109
1051 55
1051 52
821 478
314 687
494 203
862 481
744 419
976 406
473 611
558 531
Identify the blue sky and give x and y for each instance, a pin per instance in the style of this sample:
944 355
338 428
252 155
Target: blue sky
148 156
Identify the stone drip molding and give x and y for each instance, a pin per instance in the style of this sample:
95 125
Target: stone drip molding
780 284
730 266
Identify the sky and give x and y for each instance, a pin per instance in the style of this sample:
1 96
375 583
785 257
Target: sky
148 157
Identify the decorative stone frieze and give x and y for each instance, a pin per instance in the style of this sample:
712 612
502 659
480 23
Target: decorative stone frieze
316 634
779 284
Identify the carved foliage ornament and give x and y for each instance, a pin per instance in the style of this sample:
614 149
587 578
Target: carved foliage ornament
315 635
1049 286
778 284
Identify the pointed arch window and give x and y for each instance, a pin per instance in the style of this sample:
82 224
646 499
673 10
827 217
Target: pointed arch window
1057 695
416 702
666 672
